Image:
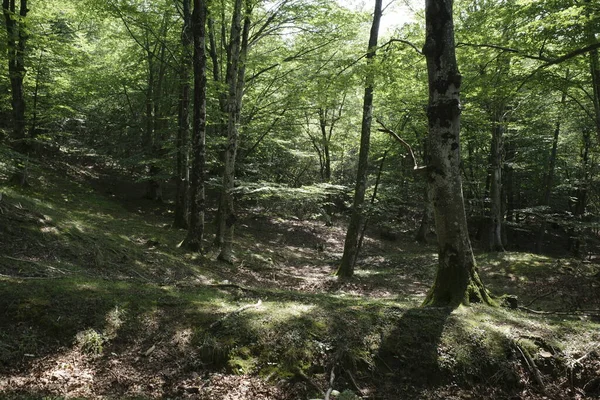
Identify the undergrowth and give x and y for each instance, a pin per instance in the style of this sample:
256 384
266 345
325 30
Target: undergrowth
79 272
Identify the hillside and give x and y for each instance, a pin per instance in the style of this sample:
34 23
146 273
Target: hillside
98 301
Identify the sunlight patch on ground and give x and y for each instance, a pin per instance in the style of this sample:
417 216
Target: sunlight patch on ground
87 286
182 338
286 310
78 225
50 229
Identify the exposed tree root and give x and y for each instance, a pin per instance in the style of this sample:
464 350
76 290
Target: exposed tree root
559 312
353 381
530 364
300 374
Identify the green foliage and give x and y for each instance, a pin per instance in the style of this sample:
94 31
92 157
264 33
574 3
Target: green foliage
306 202
348 395
91 342
161 297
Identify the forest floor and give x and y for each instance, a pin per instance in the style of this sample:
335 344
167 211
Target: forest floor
98 301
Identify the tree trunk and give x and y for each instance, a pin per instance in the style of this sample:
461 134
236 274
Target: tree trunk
373 198
16 34
156 132
509 172
195 234
236 79
222 116
580 193
181 196
594 70
36 92
148 139
549 178
351 249
497 159
457 281
326 160
426 232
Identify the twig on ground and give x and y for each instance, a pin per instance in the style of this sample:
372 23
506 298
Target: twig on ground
558 312
21 259
331 379
238 311
25 277
233 286
384 363
353 381
539 297
141 276
307 379
533 369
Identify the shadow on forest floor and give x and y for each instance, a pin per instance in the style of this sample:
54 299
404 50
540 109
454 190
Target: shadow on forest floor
97 300
409 353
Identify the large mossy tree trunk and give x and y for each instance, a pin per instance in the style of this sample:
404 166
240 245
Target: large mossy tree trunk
351 244
16 34
195 234
457 281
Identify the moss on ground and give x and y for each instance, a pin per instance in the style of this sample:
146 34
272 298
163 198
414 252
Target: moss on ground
80 274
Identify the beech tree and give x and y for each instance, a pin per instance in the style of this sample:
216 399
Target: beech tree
457 281
236 70
16 34
193 240
183 129
351 244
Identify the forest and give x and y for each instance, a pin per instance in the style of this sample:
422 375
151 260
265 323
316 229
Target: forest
300 199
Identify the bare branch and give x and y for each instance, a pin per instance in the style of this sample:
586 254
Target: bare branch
402 142
406 42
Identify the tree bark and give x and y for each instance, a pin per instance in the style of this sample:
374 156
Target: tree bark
497 160
351 247
222 116
195 234
595 73
16 33
594 70
373 198
509 172
426 232
580 194
457 281
156 124
326 162
183 131
236 71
